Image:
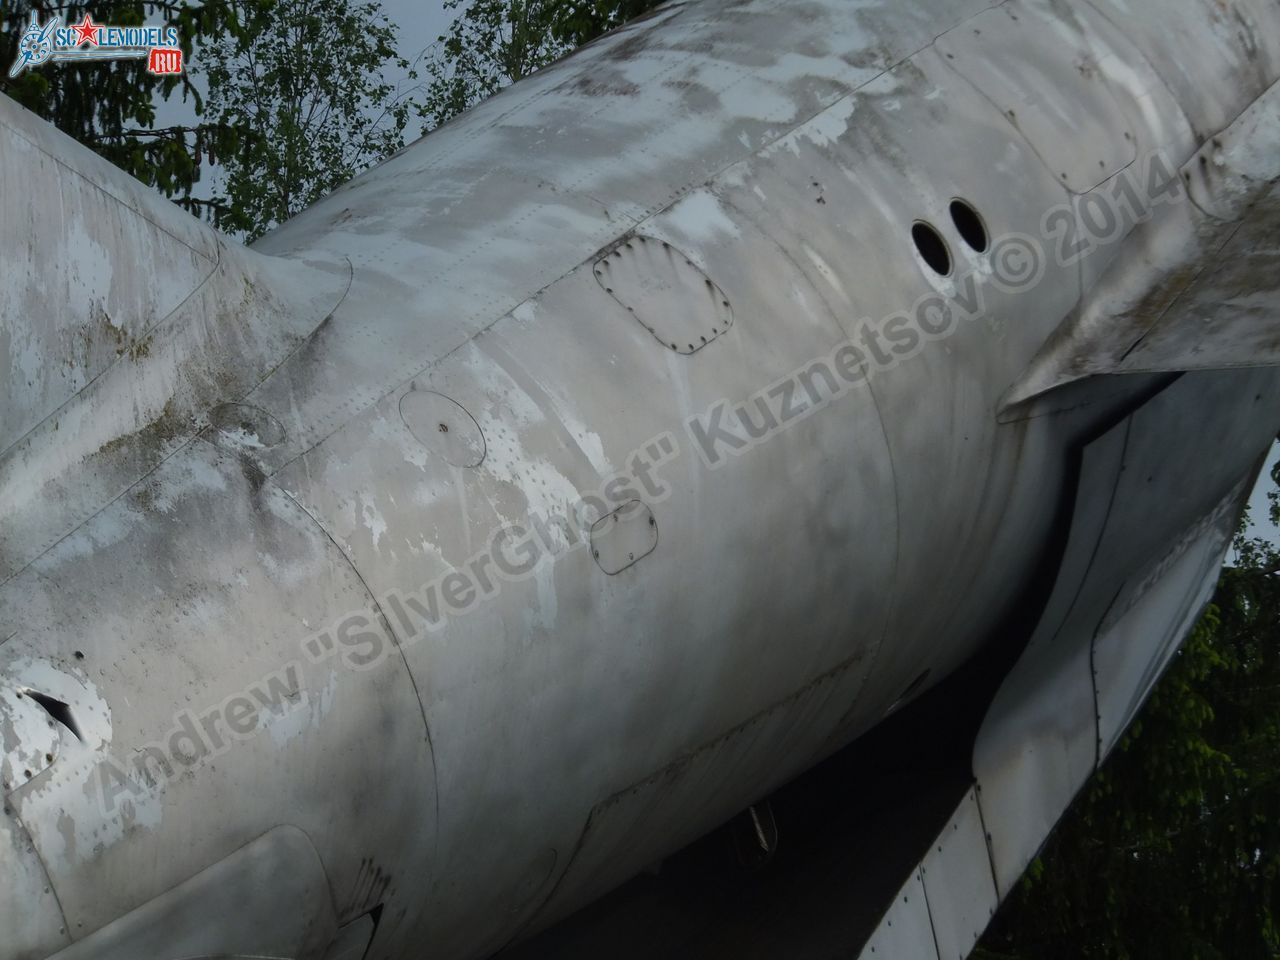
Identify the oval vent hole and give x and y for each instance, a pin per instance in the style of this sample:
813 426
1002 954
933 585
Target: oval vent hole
932 248
59 711
970 226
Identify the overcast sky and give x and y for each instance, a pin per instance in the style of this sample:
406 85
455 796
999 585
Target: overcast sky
418 24
1258 505
417 27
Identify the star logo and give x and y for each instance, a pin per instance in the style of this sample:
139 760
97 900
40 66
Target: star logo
87 30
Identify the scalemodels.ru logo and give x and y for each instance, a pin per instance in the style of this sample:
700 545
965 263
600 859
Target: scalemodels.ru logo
95 41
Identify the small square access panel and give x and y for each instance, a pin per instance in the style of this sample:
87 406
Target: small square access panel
621 538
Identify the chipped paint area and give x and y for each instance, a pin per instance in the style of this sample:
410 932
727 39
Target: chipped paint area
829 127
591 444
84 837
239 440
515 424
302 713
189 478
545 490
372 519
546 615
101 271
701 217
64 755
828 274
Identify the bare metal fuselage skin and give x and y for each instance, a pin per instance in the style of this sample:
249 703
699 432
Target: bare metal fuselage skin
234 482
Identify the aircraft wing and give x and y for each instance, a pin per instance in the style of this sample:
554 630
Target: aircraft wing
1105 636
1196 286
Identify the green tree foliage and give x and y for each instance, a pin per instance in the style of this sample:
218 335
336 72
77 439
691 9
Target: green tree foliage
295 98
305 78
492 43
110 106
1172 852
